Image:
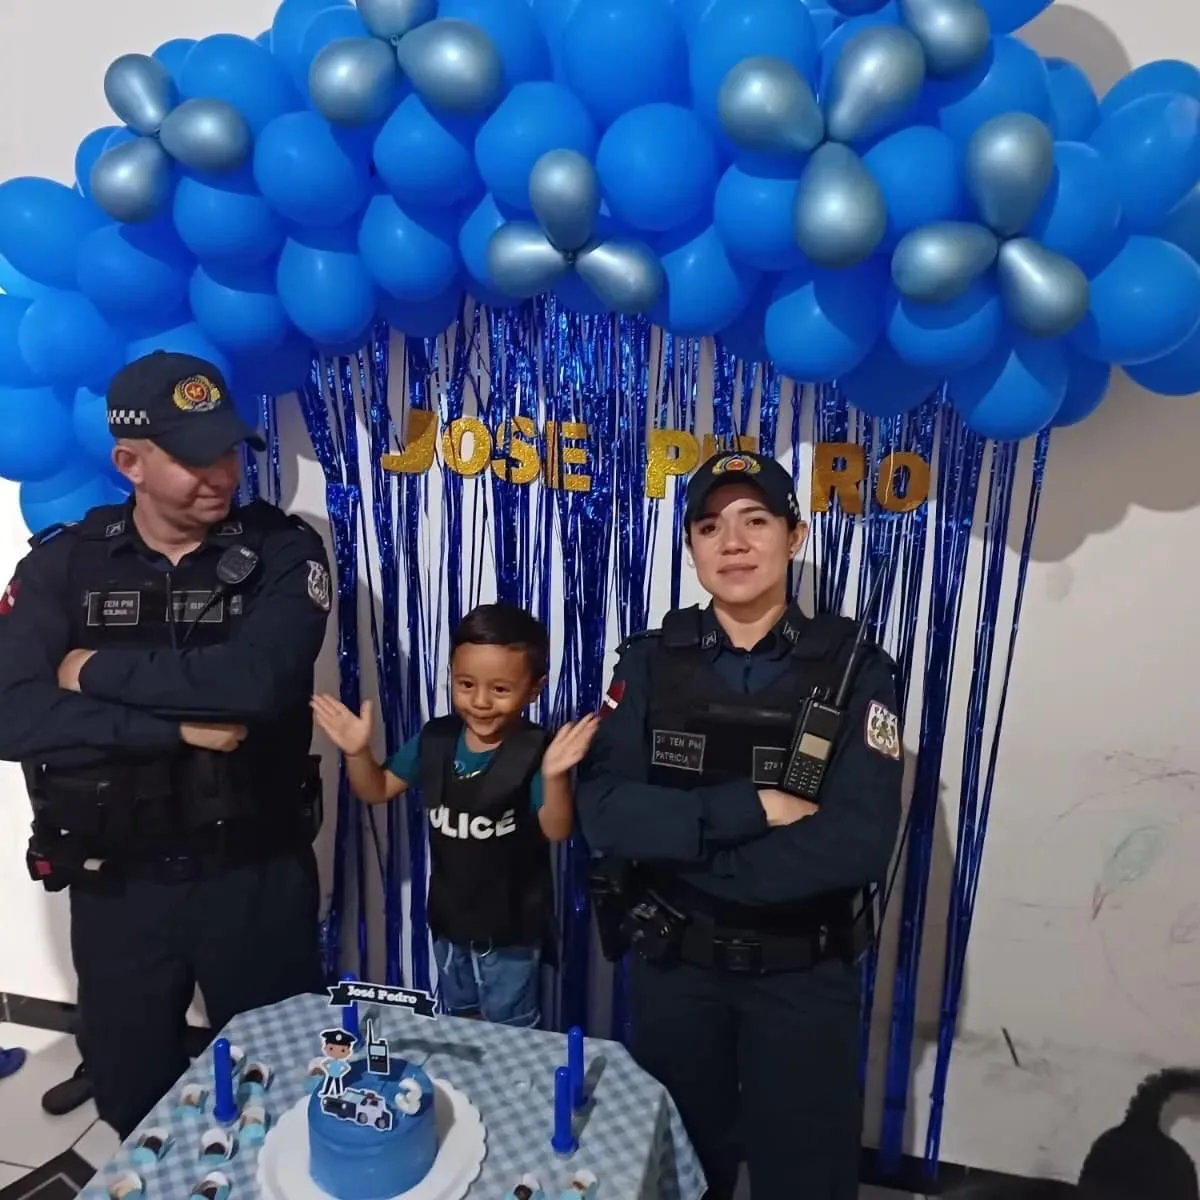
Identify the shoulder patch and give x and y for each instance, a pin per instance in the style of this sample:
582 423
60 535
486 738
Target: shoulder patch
51 532
612 698
634 638
319 590
8 598
882 731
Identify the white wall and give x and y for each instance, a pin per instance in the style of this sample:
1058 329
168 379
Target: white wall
1095 795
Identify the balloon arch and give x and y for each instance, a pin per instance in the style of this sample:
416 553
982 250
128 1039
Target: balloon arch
889 196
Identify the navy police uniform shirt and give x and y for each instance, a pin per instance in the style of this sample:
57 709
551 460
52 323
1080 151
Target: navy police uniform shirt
718 834
133 699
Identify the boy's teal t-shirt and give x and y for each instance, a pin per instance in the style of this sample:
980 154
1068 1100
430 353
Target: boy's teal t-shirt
406 764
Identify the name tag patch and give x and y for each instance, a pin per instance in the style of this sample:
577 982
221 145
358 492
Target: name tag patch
679 751
114 609
189 605
768 765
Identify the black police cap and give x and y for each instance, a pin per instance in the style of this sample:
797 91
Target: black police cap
338 1037
766 475
180 403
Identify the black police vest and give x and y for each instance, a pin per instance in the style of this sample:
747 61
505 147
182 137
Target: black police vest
129 806
490 873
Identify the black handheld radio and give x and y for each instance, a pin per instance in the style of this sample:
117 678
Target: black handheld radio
820 721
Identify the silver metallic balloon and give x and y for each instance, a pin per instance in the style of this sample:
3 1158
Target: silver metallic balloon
840 216
955 34
1044 293
766 105
353 81
453 66
522 262
938 262
626 276
877 76
141 91
132 181
392 19
207 135
1009 165
564 194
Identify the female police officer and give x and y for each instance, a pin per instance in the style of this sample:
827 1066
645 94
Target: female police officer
743 903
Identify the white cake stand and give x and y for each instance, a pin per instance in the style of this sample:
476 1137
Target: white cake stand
462 1146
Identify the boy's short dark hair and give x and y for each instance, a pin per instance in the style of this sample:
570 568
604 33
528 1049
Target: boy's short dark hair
505 625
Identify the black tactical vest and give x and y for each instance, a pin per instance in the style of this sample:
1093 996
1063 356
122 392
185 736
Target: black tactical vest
127 806
490 871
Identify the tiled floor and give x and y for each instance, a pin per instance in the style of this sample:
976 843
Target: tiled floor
29 1138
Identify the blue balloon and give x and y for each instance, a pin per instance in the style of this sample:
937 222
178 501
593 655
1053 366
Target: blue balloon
135 272
310 173
917 170
689 13
1087 385
746 335
514 32
1153 148
325 286
1080 214
226 221
37 439
576 297
89 150
279 371
475 234
13 283
1006 15
172 54
1011 78
731 30
946 337
1174 374
89 423
292 20
1152 78
1182 226
66 496
1144 304
533 119
242 73
657 167
422 318
427 159
15 372
621 54
237 307
42 224
755 220
883 385
410 256
822 324
552 17
1074 109
704 290
1014 392
186 338
64 338
826 20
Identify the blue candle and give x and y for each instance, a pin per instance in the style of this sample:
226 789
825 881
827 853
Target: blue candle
225 1107
350 1013
575 1066
563 1140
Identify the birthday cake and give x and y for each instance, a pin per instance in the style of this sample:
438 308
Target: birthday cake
377 1137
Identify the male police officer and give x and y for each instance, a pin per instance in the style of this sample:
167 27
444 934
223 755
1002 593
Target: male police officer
156 665
744 902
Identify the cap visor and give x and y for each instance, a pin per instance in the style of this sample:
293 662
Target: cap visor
203 441
696 509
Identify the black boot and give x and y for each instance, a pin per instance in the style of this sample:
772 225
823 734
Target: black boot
67 1096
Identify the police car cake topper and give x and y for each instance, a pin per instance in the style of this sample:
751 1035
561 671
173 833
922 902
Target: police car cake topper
349 992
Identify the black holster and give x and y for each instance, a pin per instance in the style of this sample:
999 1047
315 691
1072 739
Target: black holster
609 880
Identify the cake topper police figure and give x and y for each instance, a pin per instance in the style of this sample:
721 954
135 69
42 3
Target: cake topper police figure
337 1046
156 666
744 792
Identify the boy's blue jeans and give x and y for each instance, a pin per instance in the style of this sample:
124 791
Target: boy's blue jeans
499 983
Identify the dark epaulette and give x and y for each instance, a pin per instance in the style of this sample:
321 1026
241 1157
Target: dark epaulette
634 638
51 532
266 517
103 521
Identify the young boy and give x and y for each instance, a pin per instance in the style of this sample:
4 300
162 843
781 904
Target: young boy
496 789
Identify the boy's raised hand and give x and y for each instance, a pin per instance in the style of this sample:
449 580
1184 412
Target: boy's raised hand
349 733
569 746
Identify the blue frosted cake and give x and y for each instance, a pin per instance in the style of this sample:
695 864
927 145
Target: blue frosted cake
377 1138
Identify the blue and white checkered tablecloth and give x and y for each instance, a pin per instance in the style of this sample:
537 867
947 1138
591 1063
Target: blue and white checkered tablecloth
631 1138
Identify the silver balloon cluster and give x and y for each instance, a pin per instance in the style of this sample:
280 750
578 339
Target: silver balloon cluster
767 106
452 65
1009 166
525 260
132 180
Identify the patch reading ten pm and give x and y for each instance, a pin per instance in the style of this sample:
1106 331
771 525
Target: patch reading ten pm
680 751
114 609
